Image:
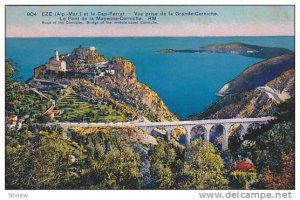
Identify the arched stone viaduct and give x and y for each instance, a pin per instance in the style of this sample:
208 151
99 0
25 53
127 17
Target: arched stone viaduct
148 127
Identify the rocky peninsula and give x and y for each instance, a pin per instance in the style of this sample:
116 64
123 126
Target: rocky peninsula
235 48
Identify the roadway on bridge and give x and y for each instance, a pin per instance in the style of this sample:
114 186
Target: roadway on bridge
158 124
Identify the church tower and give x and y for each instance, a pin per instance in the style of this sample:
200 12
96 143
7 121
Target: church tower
56 55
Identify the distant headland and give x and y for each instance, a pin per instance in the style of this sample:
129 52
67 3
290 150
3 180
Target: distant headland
235 48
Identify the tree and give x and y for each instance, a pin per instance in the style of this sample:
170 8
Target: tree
115 164
243 174
283 179
266 150
268 146
13 88
10 70
41 163
165 163
203 167
162 176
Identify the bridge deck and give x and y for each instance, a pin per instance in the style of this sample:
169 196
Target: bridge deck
157 124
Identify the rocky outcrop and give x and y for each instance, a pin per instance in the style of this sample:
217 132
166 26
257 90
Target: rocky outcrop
253 103
124 87
92 92
93 57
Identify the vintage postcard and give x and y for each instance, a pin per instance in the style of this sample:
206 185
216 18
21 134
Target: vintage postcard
150 97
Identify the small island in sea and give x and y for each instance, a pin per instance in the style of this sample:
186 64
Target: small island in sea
235 48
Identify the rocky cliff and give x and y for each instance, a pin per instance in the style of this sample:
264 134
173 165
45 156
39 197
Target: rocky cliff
125 88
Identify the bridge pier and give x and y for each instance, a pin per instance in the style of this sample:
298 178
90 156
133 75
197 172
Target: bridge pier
169 130
207 131
188 130
225 136
244 130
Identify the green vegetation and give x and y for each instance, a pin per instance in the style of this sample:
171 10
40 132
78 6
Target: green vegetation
77 109
53 93
199 166
44 160
166 164
40 160
242 179
271 149
111 162
19 100
203 168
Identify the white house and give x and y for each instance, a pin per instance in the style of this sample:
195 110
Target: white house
110 71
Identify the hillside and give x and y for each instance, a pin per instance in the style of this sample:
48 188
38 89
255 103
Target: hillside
94 89
258 74
120 89
252 103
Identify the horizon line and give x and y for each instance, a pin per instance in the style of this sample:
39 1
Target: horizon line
8 37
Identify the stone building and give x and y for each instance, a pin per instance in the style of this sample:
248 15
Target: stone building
57 63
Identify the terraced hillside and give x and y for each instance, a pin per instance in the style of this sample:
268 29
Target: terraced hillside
78 109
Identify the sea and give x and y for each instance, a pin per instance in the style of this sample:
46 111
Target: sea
186 82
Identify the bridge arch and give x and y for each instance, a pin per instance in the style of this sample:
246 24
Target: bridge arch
238 129
216 133
198 132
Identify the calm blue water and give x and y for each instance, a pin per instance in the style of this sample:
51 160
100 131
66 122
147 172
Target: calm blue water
186 82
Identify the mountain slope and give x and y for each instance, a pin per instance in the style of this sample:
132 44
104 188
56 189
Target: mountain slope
252 103
258 74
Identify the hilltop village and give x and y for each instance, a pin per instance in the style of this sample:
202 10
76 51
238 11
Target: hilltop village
84 86
82 60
